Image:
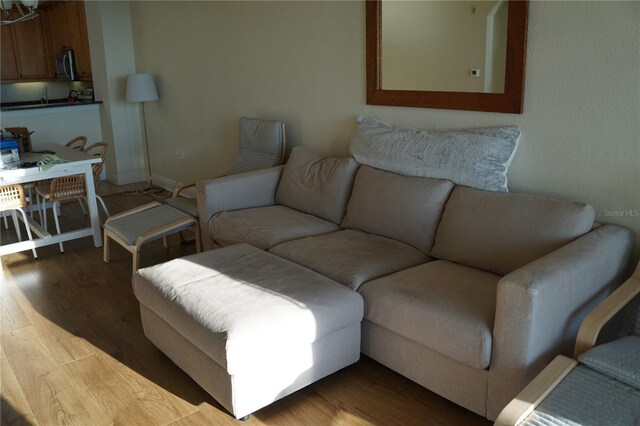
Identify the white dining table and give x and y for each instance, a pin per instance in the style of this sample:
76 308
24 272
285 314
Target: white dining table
77 162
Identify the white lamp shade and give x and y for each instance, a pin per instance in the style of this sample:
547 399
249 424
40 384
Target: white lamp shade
141 88
6 4
30 3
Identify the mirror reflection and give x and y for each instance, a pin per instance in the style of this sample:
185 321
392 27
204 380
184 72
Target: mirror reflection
451 46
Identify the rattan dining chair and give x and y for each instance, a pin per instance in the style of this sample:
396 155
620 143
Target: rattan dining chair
12 199
60 189
77 143
98 149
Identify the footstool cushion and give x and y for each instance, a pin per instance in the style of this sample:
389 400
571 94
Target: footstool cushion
142 224
248 326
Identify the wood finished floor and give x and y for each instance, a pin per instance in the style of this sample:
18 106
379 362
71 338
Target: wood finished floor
73 352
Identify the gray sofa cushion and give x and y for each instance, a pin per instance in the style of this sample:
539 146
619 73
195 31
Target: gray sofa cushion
317 185
351 257
404 208
446 307
477 158
264 227
619 359
501 232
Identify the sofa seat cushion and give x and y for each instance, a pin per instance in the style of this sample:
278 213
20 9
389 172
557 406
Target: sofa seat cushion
446 307
501 232
264 227
404 208
351 257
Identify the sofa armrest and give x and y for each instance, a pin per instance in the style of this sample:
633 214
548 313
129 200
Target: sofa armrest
540 306
235 192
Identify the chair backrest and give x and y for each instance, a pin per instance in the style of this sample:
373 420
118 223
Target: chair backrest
262 145
97 171
98 149
77 143
67 187
24 137
12 197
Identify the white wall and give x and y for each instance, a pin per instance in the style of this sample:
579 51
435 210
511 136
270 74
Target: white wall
112 59
304 62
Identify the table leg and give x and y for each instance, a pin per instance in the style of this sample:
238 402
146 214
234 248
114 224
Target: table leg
93 206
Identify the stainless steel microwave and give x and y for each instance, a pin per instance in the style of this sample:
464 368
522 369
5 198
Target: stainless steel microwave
66 65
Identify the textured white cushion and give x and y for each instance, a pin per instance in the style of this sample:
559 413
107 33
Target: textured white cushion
478 158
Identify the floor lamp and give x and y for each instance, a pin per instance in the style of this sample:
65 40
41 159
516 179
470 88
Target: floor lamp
141 88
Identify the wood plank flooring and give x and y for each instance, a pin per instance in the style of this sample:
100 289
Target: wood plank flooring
73 352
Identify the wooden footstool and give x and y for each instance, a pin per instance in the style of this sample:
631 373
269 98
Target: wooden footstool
146 223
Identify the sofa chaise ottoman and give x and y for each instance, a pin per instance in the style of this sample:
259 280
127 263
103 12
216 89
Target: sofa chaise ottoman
248 326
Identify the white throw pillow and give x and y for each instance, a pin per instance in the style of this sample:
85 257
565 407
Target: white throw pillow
478 158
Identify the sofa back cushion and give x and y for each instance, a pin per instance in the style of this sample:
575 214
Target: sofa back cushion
500 232
317 185
404 208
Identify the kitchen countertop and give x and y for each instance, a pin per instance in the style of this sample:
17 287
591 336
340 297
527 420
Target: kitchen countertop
53 103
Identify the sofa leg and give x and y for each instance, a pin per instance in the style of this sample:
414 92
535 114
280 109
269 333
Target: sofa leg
245 418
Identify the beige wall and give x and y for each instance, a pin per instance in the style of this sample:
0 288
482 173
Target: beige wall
304 62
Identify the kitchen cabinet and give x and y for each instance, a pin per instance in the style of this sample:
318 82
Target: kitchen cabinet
24 53
66 28
29 48
9 66
30 51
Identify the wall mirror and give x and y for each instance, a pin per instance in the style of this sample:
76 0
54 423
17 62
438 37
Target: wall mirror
467 55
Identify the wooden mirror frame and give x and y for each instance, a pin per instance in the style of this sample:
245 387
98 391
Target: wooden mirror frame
510 101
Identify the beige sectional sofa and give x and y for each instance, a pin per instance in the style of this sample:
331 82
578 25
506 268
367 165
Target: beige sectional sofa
467 292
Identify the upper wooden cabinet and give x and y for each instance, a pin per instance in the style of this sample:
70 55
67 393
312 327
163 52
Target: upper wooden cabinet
66 28
9 66
29 48
32 60
24 52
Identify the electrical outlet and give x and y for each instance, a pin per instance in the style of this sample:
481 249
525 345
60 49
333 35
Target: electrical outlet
181 156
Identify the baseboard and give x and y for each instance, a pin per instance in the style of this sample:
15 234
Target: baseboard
127 178
165 182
